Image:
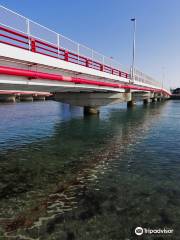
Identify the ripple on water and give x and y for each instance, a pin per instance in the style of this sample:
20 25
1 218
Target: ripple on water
66 177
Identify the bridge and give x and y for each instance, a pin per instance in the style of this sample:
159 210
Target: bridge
13 96
35 58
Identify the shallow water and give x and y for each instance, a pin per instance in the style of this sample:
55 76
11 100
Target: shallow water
63 176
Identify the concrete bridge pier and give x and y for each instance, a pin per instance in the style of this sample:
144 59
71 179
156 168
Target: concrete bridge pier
7 98
91 110
159 99
146 101
140 96
26 98
39 98
164 98
92 101
154 100
17 98
131 104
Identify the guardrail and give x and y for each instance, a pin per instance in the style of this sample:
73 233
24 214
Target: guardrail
17 39
144 78
19 31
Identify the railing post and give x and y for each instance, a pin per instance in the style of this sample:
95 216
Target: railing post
92 55
28 33
87 62
58 43
66 56
33 44
102 67
78 51
120 74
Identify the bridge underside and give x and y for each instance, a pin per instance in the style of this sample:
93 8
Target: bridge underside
94 99
97 99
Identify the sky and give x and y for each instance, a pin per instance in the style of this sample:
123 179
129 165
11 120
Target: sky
105 26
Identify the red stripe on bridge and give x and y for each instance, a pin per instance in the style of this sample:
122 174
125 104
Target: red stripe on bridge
55 77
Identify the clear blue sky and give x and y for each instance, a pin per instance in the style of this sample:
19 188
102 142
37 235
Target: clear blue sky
105 26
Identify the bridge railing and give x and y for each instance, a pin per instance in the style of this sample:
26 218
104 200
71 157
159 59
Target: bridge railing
19 31
16 30
144 78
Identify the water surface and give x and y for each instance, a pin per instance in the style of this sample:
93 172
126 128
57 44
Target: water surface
64 176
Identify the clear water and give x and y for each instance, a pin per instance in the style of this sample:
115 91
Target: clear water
68 177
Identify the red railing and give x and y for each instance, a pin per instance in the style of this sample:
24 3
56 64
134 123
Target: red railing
20 40
13 38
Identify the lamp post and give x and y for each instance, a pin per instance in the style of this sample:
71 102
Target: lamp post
163 76
134 49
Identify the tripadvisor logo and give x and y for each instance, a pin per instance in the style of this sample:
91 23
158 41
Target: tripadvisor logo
139 231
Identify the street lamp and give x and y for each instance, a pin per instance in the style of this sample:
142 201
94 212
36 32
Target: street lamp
163 76
134 48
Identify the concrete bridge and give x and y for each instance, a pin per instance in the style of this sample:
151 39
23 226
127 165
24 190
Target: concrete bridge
35 58
13 96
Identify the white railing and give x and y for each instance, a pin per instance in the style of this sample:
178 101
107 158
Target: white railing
144 78
26 26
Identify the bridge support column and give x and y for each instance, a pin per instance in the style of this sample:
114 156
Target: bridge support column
154 100
163 98
26 98
17 98
146 101
39 98
7 98
91 110
131 104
